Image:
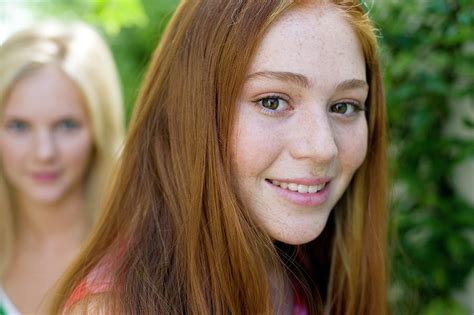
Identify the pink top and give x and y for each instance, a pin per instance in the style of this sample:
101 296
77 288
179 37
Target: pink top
299 305
95 283
91 286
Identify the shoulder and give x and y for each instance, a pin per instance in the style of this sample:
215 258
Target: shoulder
91 305
6 306
90 294
95 293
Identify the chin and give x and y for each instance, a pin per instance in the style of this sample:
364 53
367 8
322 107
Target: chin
296 235
297 240
46 197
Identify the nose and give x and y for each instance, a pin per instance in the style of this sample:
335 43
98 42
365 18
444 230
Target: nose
45 149
313 137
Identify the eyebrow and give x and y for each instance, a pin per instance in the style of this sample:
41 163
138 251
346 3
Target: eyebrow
296 78
303 81
352 84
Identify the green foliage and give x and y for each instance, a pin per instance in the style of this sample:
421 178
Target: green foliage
427 49
443 306
133 46
132 29
112 15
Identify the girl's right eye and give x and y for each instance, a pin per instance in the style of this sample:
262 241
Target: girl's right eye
272 104
17 126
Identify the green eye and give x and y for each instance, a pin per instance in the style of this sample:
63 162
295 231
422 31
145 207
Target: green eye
340 108
271 103
345 108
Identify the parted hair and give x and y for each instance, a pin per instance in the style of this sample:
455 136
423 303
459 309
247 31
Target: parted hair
83 56
175 237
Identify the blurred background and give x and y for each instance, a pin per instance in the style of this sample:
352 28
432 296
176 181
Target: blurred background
427 50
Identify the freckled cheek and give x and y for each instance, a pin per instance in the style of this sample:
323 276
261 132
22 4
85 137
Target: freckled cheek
353 147
254 148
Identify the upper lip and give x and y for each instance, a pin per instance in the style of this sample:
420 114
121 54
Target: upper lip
308 181
45 173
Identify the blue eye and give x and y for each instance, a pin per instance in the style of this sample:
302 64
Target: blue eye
68 124
346 108
17 126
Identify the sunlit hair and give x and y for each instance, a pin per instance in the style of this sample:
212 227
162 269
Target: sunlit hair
84 58
175 238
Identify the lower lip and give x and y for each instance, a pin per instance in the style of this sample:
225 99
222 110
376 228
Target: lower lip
303 199
45 178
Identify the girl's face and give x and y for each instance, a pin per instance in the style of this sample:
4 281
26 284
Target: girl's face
45 137
300 131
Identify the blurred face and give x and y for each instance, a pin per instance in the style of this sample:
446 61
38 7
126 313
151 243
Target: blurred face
45 137
300 130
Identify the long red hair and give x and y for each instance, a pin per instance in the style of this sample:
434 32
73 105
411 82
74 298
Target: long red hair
181 241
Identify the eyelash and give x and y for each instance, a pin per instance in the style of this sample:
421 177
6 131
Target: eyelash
17 126
69 124
356 107
259 104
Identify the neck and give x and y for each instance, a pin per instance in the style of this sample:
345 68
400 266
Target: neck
46 224
281 294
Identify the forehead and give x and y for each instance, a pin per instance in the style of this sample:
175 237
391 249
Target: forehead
45 93
316 41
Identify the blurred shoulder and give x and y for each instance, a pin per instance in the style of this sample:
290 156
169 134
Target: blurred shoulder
97 304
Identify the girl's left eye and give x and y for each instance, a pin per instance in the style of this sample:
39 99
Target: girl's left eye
69 124
346 108
272 104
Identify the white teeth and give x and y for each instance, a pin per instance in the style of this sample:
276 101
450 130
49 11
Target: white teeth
299 188
293 187
313 189
303 189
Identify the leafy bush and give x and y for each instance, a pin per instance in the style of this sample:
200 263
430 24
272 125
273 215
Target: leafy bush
428 53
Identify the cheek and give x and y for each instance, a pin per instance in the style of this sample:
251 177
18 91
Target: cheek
12 152
254 146
13 159
353 147
78 152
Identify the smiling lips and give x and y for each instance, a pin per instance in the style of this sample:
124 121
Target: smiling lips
303 192
299 187
45 177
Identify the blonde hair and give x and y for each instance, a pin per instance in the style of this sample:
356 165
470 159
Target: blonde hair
85 58
175 236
